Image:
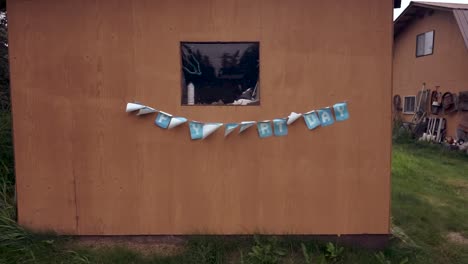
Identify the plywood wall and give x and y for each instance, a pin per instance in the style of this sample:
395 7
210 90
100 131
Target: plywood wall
84 166
447 67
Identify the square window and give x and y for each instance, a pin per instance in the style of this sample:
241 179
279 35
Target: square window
409 104
220 73
425 44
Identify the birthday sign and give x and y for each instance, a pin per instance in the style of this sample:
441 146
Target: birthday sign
277 127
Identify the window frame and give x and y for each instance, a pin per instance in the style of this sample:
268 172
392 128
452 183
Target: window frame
433 43
404 105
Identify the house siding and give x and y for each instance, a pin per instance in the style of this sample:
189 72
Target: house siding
447 67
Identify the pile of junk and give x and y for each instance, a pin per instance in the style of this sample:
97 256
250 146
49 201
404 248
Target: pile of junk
429 121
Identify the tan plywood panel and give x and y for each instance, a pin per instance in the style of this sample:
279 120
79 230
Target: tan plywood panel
76 64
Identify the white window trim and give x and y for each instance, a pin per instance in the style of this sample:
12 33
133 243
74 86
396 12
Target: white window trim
404 99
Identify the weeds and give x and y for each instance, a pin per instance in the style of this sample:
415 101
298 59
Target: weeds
333 252
266 252
306 254
6 149
382 259
206 250
18 245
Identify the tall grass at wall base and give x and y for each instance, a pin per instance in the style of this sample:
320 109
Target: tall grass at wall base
19 245
6 148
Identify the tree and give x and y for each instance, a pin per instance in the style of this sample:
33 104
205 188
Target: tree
249 65
229 63
6 142
4 67
198 70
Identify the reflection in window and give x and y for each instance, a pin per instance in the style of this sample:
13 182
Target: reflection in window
220 73
425 44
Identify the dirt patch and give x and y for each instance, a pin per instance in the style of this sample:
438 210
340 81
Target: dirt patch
457 238
435 201
460 186
146 245
461 183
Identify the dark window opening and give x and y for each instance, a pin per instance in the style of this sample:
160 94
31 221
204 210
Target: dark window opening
425 44
220 73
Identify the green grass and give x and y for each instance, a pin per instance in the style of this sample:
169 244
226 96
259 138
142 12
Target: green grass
6 148
429 201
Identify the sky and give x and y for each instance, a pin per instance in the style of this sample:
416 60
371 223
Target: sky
405 3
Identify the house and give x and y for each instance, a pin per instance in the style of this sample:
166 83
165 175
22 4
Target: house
86 167
431 48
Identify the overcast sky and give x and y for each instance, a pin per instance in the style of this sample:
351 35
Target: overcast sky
405 3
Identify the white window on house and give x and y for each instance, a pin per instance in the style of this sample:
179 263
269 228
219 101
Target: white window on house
409 104
425 44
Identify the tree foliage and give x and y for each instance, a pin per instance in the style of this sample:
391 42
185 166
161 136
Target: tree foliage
4 67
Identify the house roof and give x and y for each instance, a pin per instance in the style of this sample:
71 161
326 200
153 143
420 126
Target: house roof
441 5
418 9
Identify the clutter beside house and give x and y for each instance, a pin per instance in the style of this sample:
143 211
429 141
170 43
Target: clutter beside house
429 122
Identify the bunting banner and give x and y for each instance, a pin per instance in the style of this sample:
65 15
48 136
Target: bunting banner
146 110
230 127
311 119
280 126
165 120
325 116
277 127
200 130
245 124
293 117
142 109
133 107
342 110
264 129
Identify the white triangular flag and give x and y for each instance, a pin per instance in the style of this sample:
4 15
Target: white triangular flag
146 110
293 117
245 124
133 107
209 128
175 121
229 128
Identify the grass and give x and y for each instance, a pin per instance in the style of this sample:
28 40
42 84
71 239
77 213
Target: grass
6 148
429 202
